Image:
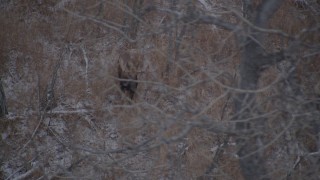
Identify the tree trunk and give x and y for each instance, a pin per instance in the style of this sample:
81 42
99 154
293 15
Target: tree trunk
253 61
3 103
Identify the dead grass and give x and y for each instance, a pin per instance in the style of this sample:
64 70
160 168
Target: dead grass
159 109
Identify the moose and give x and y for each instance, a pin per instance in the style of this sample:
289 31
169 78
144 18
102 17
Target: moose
128 84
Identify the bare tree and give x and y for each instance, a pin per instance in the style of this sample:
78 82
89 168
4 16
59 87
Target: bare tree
217 89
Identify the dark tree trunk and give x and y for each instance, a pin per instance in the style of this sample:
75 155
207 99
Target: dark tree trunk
3 103
253 61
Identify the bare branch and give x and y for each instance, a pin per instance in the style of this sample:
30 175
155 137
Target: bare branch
266 10
218 22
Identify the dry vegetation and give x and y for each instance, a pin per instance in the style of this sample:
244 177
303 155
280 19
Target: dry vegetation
69 118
